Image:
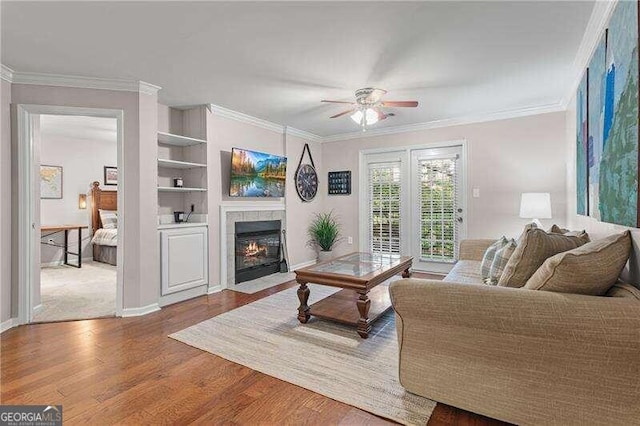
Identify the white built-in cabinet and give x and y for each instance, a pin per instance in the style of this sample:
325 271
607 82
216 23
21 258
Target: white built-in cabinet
184 252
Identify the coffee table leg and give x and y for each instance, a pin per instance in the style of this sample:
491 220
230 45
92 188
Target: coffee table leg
303 310
364 326
406 273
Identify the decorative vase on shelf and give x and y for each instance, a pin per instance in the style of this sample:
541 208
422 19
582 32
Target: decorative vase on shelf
324 255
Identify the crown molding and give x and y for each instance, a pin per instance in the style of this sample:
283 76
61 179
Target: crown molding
245 118
449 122
600 15
80 82
302 134
6 73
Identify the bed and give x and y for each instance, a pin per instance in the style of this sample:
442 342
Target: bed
105 239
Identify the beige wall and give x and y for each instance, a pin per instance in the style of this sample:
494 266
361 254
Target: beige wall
141 264
505 158
5 204
300 213
595 228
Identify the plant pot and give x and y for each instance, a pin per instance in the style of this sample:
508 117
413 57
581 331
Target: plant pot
325 255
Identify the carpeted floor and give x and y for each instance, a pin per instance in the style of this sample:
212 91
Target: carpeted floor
321 356
70 293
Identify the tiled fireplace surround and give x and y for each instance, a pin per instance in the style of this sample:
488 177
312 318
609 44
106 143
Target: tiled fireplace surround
243 213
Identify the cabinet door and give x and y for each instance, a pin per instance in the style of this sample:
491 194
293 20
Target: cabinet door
184 259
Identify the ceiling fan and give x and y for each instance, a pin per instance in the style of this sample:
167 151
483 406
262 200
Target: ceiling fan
367 108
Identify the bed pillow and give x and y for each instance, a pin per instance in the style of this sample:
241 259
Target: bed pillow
109 219
489 255
500 261
590 269
535 245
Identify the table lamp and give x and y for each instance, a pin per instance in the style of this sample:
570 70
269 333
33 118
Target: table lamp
535 206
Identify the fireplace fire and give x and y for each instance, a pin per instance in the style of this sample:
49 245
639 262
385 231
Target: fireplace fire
253 249
257 249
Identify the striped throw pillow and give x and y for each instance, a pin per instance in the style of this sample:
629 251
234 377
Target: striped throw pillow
500 261
109 219
489 255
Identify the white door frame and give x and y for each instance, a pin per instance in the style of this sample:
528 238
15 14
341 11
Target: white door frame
26 202
404 152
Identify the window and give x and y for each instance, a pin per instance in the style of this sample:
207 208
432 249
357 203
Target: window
384 207
438 208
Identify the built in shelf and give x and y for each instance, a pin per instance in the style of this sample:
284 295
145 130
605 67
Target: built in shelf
177 140
174 164
181 225
172 189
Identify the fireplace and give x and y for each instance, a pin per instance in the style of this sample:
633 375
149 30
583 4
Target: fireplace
257 249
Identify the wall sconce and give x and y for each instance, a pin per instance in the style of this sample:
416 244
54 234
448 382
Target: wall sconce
82 201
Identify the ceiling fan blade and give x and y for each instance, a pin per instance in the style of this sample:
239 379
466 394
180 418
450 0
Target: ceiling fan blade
408 104
337 102
343 113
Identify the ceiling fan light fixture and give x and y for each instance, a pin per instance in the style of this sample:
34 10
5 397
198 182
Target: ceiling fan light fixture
357 117
371 116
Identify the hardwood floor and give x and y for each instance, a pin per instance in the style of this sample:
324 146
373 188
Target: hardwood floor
127 371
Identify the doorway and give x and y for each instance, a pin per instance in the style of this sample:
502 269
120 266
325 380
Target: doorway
69 167
413 203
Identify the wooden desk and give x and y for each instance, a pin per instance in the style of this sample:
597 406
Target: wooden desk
54 229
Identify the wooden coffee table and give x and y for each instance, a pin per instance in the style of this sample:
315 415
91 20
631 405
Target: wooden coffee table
362 299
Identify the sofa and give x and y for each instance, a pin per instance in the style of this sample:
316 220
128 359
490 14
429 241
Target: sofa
518 355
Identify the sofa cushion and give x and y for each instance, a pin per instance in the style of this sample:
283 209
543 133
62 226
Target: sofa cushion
465 272
534 247
591 269
621 289
489 255
500 262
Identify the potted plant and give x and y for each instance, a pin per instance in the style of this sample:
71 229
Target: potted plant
324 233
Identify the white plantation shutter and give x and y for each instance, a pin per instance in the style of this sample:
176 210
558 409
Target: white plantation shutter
438 209
384 207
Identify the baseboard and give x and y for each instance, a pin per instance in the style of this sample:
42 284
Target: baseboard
143 310
302 265
214 289
61 262
10 323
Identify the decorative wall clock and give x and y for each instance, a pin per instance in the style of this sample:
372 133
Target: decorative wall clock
306 177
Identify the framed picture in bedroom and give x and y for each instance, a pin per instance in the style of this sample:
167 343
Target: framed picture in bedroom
50 182
110 175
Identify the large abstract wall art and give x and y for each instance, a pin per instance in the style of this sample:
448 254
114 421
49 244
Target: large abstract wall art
612 122
581 147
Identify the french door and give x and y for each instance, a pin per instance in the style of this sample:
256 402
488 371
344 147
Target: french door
438 212
415 205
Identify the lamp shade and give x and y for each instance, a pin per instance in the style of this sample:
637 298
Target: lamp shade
535 205
82 201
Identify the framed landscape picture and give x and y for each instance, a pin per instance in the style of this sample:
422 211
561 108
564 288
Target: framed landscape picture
110 175
50 182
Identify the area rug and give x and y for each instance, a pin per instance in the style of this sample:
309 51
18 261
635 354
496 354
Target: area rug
322 356
69 293
262 283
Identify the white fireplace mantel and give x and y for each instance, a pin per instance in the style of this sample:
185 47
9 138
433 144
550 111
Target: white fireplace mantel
238 206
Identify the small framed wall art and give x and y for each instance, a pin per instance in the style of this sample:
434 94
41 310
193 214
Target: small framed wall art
50 182
110 175
339 183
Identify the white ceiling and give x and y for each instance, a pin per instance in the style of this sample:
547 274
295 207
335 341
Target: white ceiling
94 129
276 61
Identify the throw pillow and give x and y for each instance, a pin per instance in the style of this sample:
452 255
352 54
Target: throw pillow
555 229
489 255
534 247
591 269
109 219
500 261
